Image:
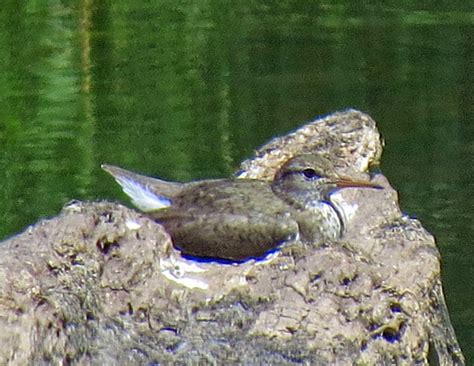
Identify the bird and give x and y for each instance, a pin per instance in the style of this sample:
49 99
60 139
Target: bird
240 219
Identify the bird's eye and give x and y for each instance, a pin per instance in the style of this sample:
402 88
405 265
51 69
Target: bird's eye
310 173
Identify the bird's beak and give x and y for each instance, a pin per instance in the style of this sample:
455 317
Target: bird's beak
349 183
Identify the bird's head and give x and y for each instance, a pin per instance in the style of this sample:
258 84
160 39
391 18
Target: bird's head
311 177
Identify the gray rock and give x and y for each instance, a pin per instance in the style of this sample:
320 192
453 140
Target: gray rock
102 284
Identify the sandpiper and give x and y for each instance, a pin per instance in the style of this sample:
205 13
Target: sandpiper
240 219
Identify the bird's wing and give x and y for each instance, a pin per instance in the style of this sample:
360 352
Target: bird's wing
234 236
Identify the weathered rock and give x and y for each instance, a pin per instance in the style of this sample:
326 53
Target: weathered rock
102 284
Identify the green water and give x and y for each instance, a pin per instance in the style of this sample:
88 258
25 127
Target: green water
186 90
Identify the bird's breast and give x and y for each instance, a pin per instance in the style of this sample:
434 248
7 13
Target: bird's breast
319 221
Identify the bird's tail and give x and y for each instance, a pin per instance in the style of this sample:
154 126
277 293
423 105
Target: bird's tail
148 194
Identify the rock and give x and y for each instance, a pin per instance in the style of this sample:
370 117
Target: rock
102 284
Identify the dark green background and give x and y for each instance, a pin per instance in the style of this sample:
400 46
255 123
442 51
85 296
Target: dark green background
186 89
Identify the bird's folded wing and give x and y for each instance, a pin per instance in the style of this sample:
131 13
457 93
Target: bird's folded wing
229 236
